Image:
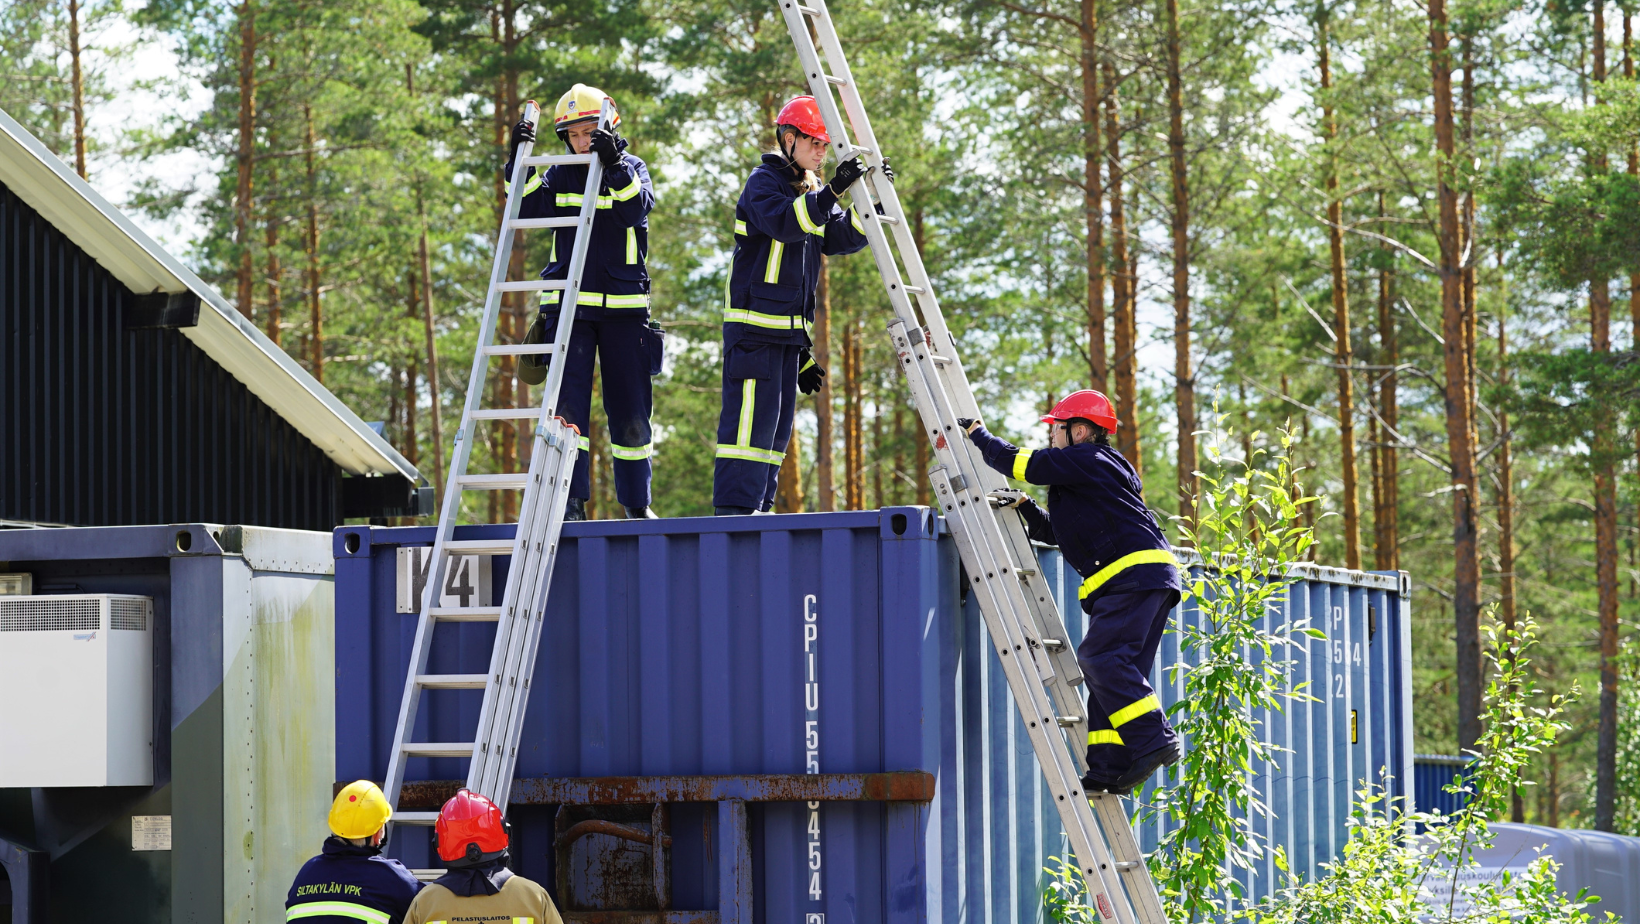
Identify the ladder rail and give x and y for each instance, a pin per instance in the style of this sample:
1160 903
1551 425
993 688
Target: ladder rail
1019 610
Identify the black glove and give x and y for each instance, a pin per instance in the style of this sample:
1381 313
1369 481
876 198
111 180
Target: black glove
888 171
532 367
603 144
847 173
521 133
810 374
969 424
1006 499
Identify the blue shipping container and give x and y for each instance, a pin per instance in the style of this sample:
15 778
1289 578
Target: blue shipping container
709 664
1431 774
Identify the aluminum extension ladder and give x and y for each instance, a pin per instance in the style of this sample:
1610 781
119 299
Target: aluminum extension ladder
534 547
1024 623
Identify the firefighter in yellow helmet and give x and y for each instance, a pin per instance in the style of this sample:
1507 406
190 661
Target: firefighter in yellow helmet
350 881
611 314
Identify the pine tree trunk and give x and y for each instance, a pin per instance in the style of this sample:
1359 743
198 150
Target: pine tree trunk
824 482
435 435
1468 237
1634 278
856 443
411 445
878 449
1605 507
1184 396
245 154
899 453
1387 517
1093 199
1341 310
316 331
271 240
1121 285
77 82
514 434
1506 527
1466 560
788 495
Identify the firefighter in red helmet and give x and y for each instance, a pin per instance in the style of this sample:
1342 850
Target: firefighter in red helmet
1097 516
785 220
471 838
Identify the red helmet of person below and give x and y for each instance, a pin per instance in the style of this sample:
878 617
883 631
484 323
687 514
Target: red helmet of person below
1086 404
803 114
469 829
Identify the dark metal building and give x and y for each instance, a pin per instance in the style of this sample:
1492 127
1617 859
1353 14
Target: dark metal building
131 392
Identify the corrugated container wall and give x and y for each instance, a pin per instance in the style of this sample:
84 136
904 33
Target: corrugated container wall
677 648
106 425
243 644
1431 775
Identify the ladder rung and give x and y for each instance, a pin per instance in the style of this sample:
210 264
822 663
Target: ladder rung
438 749
505 413
453 681
807 10
1053 644
548 160
836 81
941 360
466 613
525 224
915 290
530 285
478 545
888 219
507 482
517 349
1067 721
415 818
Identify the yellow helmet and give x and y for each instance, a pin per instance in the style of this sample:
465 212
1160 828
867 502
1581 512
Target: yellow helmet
581 104
360 810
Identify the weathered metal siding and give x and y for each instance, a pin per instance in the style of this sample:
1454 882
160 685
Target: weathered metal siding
104 426
673 647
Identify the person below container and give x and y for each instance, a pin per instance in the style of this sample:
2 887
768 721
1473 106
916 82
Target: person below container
784 221
471 838
1097 516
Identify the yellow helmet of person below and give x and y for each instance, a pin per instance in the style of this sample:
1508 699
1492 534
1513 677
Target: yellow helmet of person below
360 810
582 104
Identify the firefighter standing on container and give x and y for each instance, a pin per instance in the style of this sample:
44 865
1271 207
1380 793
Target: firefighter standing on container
1097 516
477 888
612 311
784 221
351 881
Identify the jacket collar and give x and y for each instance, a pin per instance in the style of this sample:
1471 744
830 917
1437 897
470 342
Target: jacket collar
336 847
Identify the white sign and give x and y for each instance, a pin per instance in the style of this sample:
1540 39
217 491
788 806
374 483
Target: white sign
466 583
150 832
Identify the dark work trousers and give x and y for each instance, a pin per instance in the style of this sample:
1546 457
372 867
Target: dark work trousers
1125 718
759 401
624 351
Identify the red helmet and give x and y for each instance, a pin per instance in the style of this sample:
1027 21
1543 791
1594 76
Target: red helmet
469 829
803 114
1086 404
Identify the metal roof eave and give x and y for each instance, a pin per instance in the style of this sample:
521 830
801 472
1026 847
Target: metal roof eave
47 185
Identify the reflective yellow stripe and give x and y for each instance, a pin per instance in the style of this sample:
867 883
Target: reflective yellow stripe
631 245
776 251
626 192
748 397
567 200
585 443
749 454
533 183
1127 714
523 921
1020 461
805 366
1104 736
337 909
801 205
854 219
597 299
1142 557
759 319
632 453
740 228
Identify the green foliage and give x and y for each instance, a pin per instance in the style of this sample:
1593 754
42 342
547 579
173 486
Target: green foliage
1386 875
1235 672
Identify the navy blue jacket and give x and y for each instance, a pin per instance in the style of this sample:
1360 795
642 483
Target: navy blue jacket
1096 510
356 883
614 281
779 237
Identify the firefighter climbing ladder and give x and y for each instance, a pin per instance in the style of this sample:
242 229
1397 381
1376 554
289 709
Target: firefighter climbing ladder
1019 611
534 547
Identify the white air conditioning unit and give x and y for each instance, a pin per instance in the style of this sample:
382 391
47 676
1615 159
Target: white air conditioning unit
77 684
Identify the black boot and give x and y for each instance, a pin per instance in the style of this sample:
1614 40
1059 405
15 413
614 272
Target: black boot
1143 767
732 511
641 513
575 510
